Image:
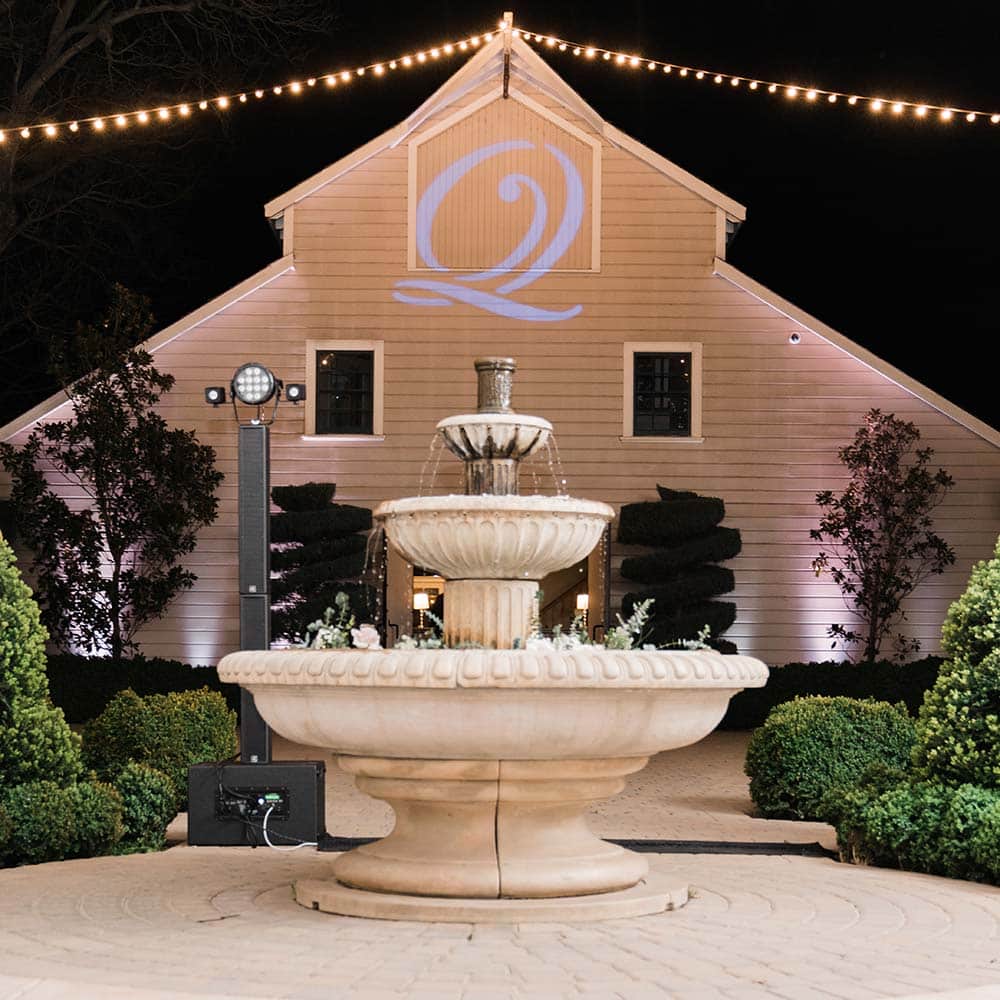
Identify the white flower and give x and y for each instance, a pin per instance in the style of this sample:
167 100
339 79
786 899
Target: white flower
539 642
366 637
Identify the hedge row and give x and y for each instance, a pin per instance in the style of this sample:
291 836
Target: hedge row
882 680
82 686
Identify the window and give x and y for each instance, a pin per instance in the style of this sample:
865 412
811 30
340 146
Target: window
344 385
662 394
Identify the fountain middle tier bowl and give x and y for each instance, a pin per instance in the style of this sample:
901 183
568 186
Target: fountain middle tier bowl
584 703
494 537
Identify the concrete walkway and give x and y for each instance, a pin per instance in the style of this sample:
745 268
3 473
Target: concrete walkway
212 922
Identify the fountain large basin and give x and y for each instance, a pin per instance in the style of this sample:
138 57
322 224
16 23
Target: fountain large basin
491 758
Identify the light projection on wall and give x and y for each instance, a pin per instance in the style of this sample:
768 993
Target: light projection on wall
531 267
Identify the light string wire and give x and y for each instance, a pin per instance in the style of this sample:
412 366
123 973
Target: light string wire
121 120
923 110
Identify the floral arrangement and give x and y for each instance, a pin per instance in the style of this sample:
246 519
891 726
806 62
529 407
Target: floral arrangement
336 630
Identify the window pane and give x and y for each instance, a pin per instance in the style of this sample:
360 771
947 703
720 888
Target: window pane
345 390
662 395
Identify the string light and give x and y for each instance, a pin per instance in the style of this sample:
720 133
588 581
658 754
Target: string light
166 113
790 90
122 119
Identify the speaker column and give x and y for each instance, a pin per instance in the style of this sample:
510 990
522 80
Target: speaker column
255 576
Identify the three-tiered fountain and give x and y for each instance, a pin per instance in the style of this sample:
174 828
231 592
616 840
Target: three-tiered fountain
490 757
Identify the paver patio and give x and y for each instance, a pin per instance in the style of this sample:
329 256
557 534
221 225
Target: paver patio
222 922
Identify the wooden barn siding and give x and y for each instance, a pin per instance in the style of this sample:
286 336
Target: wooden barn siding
774 414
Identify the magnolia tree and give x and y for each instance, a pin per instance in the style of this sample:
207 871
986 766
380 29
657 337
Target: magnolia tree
878 537
106 567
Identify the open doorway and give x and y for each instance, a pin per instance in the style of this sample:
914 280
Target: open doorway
565 593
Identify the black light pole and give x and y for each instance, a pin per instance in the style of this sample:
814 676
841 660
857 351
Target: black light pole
254 385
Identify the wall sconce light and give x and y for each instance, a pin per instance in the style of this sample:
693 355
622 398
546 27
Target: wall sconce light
583 608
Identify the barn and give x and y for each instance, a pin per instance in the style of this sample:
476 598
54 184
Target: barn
504 216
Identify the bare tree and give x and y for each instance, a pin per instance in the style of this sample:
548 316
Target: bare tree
74 210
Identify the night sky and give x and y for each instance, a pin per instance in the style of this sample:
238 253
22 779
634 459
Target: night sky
882 227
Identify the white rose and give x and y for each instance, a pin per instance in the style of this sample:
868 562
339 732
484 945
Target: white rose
366 637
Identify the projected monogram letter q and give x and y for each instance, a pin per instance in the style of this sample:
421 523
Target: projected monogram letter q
526 255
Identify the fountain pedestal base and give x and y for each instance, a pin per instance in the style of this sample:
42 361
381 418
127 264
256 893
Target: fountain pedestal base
470 829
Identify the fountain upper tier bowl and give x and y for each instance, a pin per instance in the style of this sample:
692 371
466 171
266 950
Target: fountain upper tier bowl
494 435
494 537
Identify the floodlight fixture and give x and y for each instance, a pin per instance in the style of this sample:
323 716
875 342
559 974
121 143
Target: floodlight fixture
254 384
295 392
215 394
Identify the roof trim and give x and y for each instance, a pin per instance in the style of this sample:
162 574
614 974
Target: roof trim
211 308
527 64
866 357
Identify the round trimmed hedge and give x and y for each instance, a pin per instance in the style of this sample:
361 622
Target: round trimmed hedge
169 732
810 745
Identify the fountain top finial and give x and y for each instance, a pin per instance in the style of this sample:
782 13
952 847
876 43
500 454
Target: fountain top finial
495 378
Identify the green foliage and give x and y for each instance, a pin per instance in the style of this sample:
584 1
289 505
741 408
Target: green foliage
958 729
879 531
6 831
35 742
82 686
97 819
922 826
669 625
716 545
811 745
971 628
152 488
149 803
668 521
882 680
304 496
319 552
169 732
43 824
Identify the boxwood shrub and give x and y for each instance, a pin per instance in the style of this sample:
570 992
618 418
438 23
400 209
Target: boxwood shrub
97 819
50 823
881 680
810 745
42 819
149 802
958 729
925 826
82 686
169 732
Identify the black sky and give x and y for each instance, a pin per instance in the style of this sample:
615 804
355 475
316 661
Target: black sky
882 227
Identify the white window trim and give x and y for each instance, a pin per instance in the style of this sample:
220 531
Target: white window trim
378 379
630 350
